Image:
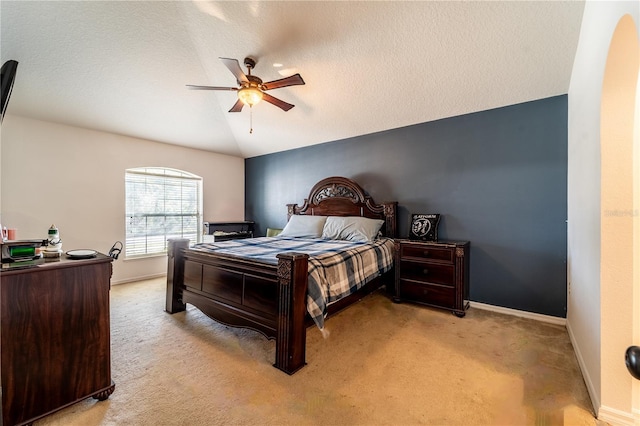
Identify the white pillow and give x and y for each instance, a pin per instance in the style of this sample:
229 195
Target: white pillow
304 226
351 228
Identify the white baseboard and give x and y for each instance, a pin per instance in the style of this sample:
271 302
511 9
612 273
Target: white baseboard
603 413
142 278
595 400
523 314
617 417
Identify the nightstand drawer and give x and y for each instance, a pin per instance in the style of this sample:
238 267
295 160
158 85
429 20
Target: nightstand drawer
430 294
424 251
427 272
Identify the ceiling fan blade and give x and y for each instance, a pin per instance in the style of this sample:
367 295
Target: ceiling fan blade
293 80
194 87
277 102
234 67
237 107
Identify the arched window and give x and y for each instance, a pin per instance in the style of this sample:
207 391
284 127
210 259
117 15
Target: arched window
161 203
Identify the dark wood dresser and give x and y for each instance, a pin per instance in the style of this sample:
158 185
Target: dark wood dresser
433 273
56 345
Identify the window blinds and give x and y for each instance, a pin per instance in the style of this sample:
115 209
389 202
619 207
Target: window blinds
161 204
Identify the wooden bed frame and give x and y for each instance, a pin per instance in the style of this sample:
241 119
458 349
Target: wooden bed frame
269 298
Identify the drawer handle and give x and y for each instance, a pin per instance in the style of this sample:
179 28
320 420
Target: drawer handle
426 252
425 271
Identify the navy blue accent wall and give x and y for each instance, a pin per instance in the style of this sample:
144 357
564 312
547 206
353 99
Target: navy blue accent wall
497 177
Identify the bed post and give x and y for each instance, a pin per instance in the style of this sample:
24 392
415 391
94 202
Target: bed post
175 274
291 332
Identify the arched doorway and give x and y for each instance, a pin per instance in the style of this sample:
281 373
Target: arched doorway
620 217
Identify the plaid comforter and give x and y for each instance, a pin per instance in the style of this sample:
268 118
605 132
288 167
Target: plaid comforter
336 268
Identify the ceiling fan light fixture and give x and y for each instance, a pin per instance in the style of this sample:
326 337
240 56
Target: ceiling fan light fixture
250 95
251 90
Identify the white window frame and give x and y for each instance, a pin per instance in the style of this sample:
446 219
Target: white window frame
156 191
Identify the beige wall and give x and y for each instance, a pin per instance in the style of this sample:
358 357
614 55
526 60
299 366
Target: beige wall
617 251
636 245
600 221
74 177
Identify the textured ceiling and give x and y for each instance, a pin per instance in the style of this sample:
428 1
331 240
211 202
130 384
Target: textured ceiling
122 66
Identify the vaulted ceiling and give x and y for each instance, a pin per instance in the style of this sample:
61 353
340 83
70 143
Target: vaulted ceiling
122 66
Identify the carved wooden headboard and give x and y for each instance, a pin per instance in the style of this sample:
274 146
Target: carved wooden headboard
340 196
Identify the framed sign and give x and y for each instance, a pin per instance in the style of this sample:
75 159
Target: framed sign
424 227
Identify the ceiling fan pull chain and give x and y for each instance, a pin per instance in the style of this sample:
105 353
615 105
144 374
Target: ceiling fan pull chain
250 120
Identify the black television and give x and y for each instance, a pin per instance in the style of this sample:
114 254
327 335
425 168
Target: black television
7 77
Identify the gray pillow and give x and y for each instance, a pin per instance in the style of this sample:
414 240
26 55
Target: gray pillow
351 228
304 226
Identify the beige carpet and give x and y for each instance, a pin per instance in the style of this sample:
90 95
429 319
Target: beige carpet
384 363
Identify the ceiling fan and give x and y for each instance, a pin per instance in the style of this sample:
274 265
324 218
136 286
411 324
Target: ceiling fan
251 89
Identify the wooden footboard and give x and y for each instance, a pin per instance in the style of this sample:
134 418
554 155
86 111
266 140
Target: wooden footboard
242 293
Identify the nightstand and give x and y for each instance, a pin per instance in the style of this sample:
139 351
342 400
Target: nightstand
433 273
